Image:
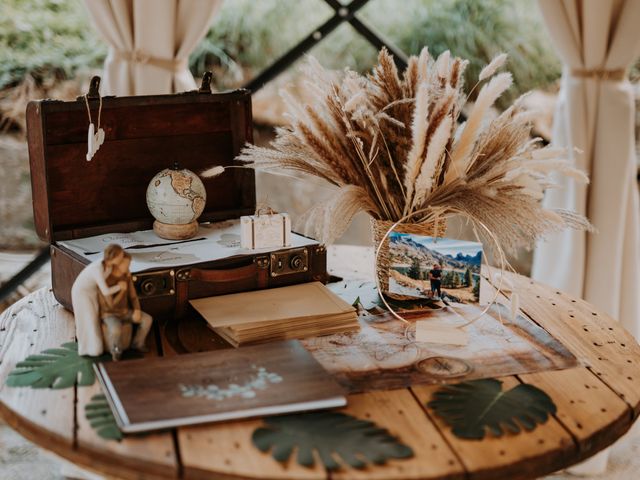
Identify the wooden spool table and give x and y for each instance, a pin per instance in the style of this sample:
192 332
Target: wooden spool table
596 402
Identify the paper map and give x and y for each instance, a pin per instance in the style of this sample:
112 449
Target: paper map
384 354
214 241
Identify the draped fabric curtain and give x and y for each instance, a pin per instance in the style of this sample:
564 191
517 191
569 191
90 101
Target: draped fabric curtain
150 42
597 41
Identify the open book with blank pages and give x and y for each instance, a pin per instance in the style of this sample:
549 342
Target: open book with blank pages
297 311
159 393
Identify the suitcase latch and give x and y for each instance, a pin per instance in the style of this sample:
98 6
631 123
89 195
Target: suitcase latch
155 284
262 261
289 262
183 275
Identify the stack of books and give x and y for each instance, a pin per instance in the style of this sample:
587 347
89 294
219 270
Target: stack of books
298 311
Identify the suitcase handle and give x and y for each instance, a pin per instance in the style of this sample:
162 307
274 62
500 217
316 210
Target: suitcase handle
257 271
221 276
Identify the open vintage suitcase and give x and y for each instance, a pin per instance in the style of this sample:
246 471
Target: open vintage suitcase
74 198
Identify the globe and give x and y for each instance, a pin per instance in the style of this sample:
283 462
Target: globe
176 198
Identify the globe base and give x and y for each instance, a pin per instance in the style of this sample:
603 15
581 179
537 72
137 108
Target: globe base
175 232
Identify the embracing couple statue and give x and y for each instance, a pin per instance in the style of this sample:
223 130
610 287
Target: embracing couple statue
106 307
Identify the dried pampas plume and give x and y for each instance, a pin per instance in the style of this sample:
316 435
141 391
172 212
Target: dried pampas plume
488 71
392 147
461 156
212 172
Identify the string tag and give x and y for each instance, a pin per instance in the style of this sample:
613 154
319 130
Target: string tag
95 139
429 332
91 140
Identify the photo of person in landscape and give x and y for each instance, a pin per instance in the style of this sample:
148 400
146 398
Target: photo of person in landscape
435 268
435 278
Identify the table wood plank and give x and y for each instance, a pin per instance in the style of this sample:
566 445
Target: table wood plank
152 454
580 397
595 338
525 455
226 449
31 325
400 413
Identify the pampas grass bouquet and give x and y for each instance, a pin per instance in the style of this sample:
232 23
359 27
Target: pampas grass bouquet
396 147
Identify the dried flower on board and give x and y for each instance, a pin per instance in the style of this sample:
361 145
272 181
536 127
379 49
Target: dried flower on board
393 146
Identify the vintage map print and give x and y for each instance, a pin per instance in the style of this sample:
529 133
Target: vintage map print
385 355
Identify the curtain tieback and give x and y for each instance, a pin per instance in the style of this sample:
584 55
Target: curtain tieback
137 56
599 73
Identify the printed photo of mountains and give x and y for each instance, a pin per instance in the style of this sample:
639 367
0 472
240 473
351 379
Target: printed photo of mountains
436 268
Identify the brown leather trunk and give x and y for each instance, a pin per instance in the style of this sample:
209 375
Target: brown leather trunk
73 198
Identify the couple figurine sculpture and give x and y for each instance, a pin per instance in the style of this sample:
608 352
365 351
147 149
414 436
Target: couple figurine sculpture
106 307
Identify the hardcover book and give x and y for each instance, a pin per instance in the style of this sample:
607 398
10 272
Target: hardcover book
271 379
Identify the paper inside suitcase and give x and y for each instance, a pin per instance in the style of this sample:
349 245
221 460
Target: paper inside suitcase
106 197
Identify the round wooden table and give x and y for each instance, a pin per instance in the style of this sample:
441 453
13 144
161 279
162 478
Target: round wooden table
597 403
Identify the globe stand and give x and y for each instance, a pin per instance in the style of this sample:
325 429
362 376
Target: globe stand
175 232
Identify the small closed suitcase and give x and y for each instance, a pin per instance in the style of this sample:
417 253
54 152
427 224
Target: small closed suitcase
74 198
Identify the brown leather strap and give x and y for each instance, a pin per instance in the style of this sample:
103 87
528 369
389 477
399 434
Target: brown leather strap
182 298
218 276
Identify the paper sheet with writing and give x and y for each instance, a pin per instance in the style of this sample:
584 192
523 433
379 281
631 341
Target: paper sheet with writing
214 241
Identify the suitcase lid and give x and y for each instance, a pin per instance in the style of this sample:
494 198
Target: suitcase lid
73 198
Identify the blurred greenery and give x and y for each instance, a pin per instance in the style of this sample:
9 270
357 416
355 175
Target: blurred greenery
248 35
44 39
54 38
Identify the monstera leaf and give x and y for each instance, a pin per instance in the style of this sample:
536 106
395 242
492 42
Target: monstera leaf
471 408
356 442
101 419
54 368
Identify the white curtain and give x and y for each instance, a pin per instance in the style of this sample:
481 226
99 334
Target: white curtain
150 42
597 41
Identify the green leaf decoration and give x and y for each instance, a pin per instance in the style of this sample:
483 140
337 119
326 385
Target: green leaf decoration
99 415
334 436
55 368
411 304
470 408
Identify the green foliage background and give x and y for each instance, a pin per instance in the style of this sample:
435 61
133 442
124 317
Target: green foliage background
44 39
53 38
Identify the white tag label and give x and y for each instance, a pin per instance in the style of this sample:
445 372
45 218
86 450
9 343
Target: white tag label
429 332
90 142
94 141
